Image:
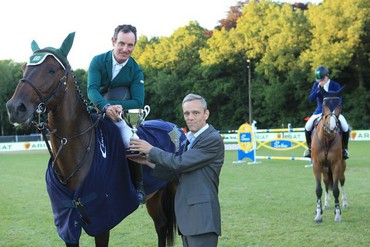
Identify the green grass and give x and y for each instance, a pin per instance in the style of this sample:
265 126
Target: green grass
267 204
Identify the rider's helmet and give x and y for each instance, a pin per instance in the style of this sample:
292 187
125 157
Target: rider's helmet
321 72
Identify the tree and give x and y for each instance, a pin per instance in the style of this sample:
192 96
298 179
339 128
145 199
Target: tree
272 36
81 78
232 16
339 29
284 43
170 66
11 73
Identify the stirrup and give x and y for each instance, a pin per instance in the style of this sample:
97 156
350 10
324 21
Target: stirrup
141 196
345 154
307 153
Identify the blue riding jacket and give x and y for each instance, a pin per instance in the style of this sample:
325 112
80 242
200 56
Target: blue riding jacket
316 95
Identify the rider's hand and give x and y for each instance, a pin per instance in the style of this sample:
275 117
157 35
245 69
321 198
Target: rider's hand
114 112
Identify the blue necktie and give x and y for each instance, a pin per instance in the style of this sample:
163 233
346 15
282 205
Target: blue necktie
191 140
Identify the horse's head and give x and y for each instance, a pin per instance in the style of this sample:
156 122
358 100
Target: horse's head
332 107
44 81
330 115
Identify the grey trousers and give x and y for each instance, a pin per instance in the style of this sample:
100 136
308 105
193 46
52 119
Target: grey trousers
202 240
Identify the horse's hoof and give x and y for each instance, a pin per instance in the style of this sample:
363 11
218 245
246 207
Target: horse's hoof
318 219
338 219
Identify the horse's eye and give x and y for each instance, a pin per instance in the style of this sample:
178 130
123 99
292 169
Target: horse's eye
53 71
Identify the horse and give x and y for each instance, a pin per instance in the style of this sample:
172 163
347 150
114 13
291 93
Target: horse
86 148
326 155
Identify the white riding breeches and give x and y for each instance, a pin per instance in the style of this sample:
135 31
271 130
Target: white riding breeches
126 132
342 120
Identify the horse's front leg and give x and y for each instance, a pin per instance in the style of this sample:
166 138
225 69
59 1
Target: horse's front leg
337 211
102 240
327 185
318 217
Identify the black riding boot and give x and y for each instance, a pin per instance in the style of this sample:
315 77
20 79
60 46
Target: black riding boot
307 153
345 139
137 178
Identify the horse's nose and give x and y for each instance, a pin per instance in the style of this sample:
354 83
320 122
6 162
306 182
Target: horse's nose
16 111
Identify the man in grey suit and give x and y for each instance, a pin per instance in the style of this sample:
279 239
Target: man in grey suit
197 206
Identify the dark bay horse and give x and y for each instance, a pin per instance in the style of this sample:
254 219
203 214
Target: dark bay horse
86 152
326 153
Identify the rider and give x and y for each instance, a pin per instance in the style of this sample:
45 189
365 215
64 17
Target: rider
116 83
323 80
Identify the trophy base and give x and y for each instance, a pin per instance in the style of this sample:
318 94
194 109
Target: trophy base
130 153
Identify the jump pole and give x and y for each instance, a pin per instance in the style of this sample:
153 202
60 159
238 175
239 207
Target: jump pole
248 144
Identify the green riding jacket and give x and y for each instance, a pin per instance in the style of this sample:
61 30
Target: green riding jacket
99 81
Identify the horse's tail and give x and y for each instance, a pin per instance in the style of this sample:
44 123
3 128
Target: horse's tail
168 202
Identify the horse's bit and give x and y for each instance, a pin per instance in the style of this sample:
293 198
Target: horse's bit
41 110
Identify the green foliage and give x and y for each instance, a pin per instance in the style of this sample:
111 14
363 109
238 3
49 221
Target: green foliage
10 72
81 78
284 45
218 51
171 70
337 28
356 110
287 38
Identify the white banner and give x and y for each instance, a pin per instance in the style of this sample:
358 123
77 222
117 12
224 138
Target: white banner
356 135
22 146
229 140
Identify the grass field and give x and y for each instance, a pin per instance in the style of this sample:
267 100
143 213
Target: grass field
267 204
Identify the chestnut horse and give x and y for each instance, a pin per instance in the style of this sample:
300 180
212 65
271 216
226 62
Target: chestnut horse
326 155
49 97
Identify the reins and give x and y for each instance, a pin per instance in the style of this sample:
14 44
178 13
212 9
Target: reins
41 113
63 142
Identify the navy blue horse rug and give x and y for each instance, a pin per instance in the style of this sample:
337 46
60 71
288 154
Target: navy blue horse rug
107 194
168 137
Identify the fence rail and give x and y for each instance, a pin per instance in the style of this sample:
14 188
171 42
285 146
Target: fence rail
22 138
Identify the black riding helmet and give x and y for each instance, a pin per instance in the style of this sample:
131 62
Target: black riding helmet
321 72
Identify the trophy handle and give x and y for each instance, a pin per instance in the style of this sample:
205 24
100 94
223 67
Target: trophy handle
146 111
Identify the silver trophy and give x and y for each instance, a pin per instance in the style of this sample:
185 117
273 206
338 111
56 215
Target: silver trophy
134 118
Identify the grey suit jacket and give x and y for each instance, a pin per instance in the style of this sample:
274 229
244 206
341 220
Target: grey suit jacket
196 202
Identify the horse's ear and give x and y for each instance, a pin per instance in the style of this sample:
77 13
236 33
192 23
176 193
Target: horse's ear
67 44
24 67
34 46
323 92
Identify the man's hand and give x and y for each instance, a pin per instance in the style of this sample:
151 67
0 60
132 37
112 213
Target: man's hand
142 160
143 147
140 145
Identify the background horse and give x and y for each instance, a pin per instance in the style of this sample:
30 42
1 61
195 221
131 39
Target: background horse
88 178
326 153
